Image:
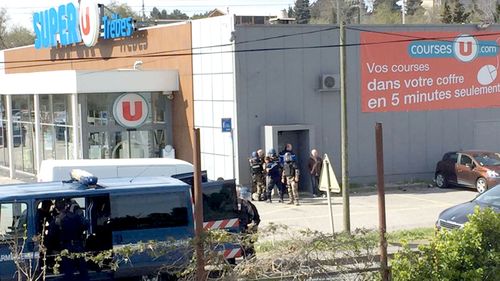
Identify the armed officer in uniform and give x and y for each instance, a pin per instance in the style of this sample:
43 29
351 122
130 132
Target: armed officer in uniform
258 178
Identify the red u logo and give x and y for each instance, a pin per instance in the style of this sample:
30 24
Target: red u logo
86 24
127 114
465 48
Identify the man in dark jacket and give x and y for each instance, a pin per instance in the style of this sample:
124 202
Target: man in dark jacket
273 174
72 229
315 163
249 221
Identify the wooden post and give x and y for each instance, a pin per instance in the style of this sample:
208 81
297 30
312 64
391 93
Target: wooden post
381 201
198 207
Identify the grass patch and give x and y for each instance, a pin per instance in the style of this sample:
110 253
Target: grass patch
419 235
411 235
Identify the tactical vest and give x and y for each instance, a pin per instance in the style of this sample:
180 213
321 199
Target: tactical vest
256 166
289 169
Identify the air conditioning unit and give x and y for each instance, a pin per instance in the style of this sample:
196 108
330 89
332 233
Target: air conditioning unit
330 82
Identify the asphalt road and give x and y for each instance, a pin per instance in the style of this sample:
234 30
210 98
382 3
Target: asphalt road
406 208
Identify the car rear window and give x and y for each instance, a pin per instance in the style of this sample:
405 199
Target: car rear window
452 157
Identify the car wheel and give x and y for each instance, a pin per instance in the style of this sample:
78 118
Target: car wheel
481 185
441 181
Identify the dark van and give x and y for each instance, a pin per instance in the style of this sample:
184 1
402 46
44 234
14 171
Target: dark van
119 213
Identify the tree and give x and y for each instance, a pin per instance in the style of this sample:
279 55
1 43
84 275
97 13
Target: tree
302 11
497 13
385 14
156 14
446 15
323 11
200 15
3 27
413 7
459 13
18 36
290 12
177 15
123 10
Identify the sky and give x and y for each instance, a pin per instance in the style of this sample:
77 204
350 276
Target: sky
20 11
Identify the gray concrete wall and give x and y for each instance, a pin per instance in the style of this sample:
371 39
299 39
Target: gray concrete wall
280 87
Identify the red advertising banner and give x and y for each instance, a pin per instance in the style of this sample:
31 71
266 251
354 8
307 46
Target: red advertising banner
414 71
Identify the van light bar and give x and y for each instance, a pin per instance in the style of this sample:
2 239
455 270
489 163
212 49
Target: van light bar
83 177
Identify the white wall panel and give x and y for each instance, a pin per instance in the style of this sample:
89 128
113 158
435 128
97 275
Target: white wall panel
218 88
214 92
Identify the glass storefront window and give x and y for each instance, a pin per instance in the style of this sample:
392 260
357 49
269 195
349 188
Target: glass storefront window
106 138
158 104
23 132
4 151
56 120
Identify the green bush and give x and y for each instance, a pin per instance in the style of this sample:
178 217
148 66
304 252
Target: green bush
470 253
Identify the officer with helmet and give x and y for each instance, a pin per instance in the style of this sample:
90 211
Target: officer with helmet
258 178
273 174
290 176
249 221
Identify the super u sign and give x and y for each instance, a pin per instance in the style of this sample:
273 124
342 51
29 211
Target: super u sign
67 25
130 110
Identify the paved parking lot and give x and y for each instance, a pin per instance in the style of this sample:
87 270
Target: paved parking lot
407 208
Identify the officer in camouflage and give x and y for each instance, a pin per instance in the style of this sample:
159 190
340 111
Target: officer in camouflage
258 177
290 176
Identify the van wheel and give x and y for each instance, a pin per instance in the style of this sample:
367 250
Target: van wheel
441 181
481 185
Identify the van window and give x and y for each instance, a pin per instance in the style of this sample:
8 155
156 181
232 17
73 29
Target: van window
219 200
13 219
158 210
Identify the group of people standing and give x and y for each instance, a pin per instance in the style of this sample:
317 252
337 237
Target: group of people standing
281 171
63 226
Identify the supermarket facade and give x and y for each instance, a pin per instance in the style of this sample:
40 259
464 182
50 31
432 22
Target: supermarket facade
248 87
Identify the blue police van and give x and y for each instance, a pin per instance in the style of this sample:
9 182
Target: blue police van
119 212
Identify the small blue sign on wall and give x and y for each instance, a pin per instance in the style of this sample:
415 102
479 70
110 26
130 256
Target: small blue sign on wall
226 125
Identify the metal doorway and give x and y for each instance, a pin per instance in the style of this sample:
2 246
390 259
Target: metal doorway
301 137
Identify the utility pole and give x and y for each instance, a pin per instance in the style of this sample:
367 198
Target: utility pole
343 121
143 12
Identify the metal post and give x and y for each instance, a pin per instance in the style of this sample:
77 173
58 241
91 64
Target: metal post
38 132
10 135
343 127
233 158
75 114
328 195
198 207
381 201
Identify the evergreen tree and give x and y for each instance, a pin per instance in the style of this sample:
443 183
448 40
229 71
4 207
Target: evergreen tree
459 13
446 15
302 11
290 12
155 13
